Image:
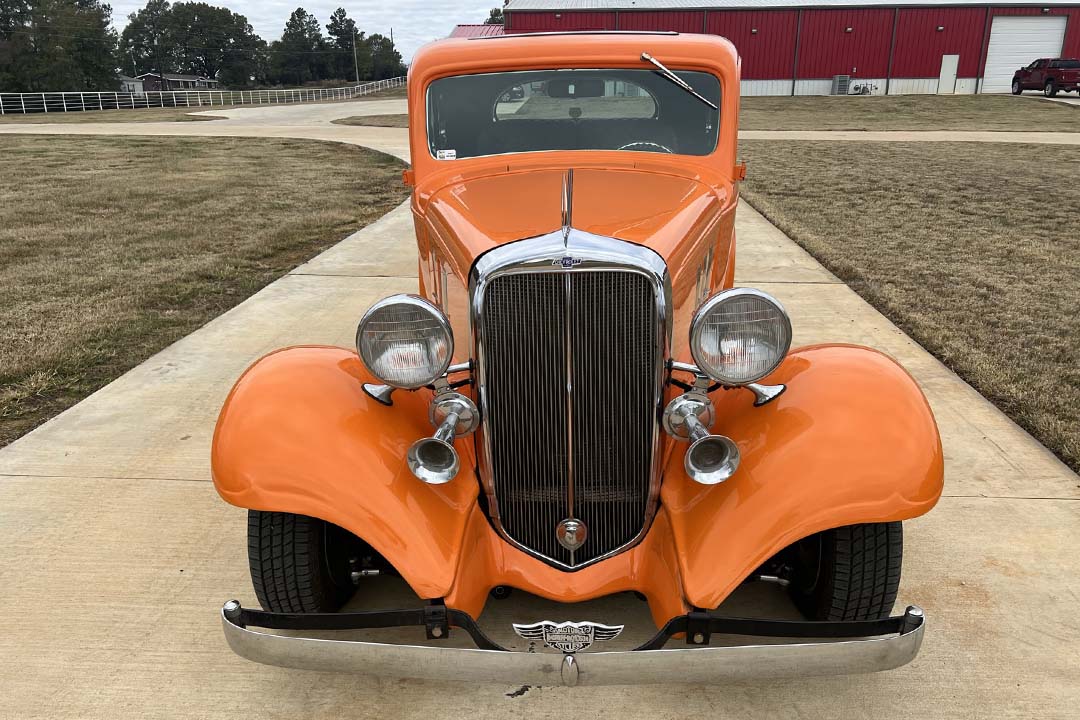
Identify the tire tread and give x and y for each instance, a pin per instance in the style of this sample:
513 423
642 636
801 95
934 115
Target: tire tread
285 557
859 574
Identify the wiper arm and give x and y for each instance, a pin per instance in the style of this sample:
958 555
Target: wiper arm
677 80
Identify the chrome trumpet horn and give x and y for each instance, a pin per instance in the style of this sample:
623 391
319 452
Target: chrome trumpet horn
433 459
711 459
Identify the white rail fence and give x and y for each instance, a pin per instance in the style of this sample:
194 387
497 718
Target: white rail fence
53 102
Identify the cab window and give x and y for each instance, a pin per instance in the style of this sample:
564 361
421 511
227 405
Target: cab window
595 109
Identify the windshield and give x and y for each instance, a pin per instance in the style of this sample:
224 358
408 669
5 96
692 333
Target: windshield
631 110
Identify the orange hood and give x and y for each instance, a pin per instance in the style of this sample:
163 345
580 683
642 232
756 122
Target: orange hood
660 210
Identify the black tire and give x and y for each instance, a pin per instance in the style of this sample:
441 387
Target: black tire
298 564
1050 89
1016 89
848 573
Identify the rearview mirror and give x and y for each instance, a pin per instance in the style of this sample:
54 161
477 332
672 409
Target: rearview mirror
575 88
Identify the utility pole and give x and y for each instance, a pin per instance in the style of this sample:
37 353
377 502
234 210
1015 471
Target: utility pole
134 69
162 83
356 65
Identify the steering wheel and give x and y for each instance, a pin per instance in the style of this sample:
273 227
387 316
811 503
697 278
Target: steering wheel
645 144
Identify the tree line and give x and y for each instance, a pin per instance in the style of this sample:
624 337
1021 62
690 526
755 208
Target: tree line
50 45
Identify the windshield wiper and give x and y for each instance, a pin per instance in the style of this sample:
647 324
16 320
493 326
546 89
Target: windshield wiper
677 80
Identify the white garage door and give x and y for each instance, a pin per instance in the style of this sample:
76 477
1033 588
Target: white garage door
1015 42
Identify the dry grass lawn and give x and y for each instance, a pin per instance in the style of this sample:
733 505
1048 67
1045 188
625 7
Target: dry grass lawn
908 112
397 121
972 249
112 248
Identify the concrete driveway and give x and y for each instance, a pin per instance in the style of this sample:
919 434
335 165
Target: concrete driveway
315 122
119 553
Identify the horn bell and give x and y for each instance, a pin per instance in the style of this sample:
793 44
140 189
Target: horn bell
712 459
433 460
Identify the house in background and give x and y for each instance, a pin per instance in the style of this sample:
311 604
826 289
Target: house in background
130 85
175 81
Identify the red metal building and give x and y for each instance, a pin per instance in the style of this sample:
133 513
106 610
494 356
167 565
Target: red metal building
882 46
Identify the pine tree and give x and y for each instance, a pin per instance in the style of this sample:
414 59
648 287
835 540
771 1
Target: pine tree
54 45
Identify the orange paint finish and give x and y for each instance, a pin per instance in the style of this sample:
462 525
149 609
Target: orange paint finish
650 568
452 57
664 208
851 440
680 206
298 434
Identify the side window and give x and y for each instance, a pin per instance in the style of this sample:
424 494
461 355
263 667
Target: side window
1040 64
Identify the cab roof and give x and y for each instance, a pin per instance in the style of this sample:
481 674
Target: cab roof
535 51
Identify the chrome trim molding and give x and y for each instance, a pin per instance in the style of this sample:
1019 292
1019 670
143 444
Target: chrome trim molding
567 204
698 665
380 393
764 394
589 253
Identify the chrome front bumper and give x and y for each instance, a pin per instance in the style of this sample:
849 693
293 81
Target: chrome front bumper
631 667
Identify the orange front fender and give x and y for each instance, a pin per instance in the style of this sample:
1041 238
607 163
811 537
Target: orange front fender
287 440
851 440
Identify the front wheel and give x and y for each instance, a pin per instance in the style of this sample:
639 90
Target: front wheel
299 564
848 573
1050 89
1016 89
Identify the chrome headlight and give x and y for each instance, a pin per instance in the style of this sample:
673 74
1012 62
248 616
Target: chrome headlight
405 341
739 336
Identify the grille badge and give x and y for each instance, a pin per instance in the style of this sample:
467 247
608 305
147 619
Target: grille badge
566 262
571 533
570 637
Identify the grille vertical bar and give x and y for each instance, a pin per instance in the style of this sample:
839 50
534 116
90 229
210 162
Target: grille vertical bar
571 379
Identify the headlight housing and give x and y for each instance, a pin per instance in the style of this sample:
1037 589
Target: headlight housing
739 336
405 341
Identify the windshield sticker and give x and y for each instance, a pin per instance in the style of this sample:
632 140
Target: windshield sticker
446 154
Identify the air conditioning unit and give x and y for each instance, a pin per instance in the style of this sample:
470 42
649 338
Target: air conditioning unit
841 84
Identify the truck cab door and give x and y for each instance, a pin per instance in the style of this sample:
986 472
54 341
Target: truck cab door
1038 73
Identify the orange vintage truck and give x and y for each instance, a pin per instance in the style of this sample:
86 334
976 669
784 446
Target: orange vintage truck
578 402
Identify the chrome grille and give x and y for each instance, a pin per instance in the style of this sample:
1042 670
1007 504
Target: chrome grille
571 381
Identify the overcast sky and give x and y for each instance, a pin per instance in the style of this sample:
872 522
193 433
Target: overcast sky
415 22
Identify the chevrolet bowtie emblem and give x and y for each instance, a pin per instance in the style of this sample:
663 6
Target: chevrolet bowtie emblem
569 637
566 262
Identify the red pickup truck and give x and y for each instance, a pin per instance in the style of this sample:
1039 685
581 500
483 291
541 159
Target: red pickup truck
1049 75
